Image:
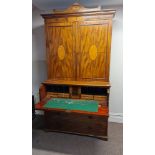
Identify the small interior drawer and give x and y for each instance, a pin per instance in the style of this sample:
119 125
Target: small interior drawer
51 94
100 98
87 97
61 95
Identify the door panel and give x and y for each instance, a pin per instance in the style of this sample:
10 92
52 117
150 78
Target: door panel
78 50
60 54
92 50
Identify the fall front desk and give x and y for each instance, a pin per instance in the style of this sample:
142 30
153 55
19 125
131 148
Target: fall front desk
78 45
83 117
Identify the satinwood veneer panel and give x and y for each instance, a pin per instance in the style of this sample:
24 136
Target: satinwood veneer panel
60 55
78 83
78 48
93 51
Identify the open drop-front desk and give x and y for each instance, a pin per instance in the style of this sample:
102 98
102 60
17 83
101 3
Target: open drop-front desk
75 97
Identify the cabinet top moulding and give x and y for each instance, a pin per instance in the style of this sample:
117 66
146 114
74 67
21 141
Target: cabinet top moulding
78 10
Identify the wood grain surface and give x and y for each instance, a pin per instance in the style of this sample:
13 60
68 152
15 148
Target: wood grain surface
78 83
60 55
76 123
85 46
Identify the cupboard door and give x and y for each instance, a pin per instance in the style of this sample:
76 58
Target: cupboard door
60 56
93 50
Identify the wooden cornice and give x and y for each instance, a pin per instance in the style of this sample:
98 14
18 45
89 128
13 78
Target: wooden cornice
77 9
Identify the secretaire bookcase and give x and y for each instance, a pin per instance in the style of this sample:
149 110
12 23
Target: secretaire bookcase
78 43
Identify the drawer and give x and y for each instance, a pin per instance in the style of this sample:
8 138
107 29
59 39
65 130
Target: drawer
100 98
55 95
102 103
87 97
51 94
76 123
63 95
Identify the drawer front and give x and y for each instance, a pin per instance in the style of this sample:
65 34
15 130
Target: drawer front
63 95
55 95
101 99
51 94
87 97
76 123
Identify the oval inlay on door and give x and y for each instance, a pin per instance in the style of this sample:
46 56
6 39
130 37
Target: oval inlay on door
61 52
93 52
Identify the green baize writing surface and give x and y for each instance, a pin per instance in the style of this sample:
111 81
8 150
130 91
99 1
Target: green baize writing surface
72 104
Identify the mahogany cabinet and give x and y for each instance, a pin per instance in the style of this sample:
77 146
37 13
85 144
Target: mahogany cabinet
78 42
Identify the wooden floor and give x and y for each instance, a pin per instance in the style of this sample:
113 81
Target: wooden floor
51 143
